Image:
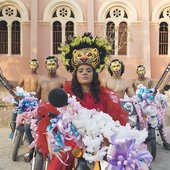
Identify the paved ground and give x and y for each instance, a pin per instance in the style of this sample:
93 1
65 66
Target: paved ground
161 162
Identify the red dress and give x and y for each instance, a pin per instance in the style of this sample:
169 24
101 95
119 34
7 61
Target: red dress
109 103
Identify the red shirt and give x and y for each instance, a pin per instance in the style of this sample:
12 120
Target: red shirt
109 103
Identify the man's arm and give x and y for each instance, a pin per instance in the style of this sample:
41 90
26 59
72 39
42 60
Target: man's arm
39 89
21 83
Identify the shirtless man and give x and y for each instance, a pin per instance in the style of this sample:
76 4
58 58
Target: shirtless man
52 80
148 83
30 83
116 82
141 79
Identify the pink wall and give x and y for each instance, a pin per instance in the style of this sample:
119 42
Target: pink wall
15 66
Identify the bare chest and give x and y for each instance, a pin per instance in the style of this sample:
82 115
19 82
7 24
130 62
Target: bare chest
117 85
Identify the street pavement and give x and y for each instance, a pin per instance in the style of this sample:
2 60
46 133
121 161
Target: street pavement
161 162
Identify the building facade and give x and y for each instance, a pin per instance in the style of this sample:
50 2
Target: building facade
138 30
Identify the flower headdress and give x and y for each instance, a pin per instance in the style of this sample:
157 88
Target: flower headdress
85 50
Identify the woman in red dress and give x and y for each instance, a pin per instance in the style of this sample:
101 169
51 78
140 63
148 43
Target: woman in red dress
84 59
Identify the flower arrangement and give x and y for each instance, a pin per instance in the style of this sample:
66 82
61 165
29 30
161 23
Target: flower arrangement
150 107
152 104
90 129
26 105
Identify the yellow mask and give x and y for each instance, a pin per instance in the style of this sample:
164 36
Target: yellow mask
33 65
116 67
51 64
141 71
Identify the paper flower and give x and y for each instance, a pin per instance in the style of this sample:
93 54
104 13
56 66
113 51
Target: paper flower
125 155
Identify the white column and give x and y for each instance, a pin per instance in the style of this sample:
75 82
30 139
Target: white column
63 32
34 28
116 38
90 18
9 39
146 38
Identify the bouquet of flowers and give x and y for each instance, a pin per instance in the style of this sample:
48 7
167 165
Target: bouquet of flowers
89 129
152 105
27 106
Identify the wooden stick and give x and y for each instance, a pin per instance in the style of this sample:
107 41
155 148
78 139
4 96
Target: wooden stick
162 77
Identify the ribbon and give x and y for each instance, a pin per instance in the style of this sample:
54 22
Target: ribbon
123 155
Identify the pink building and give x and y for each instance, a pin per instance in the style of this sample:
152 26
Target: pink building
34 29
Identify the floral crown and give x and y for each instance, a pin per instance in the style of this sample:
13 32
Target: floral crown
85 50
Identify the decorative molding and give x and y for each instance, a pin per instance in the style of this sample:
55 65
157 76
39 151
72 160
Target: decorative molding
157 10
19 5
127 6
50 8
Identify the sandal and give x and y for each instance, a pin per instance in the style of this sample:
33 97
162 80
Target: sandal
28 156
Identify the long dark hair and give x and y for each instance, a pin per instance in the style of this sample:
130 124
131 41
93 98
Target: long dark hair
94 86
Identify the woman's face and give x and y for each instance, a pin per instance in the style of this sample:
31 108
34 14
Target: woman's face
84 74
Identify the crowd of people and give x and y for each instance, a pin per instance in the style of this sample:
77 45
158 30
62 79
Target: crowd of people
84 58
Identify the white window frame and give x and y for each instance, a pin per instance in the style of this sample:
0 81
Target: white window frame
131 13
63 22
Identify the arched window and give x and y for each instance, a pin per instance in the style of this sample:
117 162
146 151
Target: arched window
10 31
163 38
117 29
16 37
122 39
164 31
57 38
3 37
63 26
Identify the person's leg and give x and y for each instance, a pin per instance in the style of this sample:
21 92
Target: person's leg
13 120
28 156
166 145
13 124
28 133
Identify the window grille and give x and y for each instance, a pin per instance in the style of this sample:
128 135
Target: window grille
163 38
69 30
63 26
15 37
116 30
57 36
3 37
122 39
110 33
